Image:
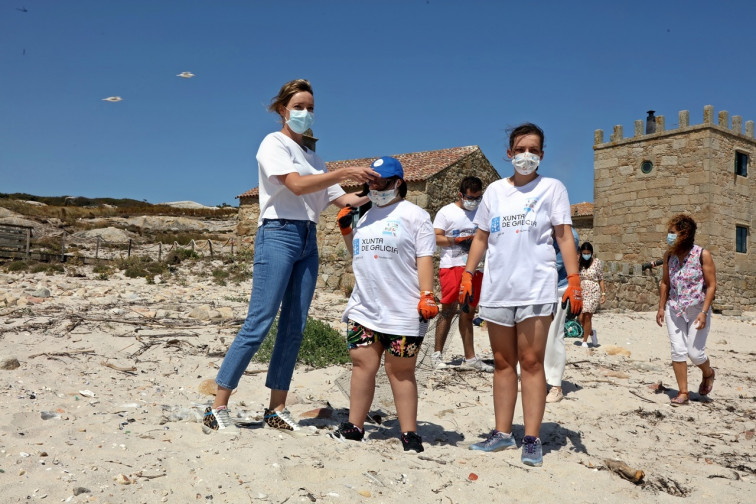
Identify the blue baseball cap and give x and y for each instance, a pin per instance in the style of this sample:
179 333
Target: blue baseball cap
388 166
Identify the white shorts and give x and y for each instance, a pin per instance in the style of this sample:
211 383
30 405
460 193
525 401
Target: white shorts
510 316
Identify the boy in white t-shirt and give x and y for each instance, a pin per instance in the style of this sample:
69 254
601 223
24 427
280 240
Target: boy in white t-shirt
454 230
392 300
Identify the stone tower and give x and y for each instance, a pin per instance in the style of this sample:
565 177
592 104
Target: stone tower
702 170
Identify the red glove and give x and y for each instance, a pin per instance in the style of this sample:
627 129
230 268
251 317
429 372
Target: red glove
574 294
344 218
466 291
427 307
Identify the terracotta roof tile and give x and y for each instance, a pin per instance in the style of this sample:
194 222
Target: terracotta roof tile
417 166
582 209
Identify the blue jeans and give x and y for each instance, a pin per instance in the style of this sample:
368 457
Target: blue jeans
284 275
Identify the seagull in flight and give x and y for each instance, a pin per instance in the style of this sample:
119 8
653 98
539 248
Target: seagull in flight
112 99
185 75
22 9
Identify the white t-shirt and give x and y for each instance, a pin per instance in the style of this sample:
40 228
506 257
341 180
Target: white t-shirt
386 244
520 260
279 155
454 222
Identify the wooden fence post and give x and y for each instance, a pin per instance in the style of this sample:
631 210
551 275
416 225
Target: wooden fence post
160 251
128 255
63 247
97 248
210 243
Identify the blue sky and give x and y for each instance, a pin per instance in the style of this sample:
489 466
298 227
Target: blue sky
389 77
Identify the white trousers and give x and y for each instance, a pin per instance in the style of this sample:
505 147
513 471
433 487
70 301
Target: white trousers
684 338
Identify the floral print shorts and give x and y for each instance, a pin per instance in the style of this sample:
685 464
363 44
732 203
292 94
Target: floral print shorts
400 346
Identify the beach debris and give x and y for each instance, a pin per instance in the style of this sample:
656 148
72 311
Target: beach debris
615 350
624 470
208 387
658 388
86 393
472 476
10 363
318 413
113 99
81 490
611 373
122 479
48 415
185 75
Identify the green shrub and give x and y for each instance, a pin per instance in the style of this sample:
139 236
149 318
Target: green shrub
181 254
220 275
322 345
17 266
47 268
136 267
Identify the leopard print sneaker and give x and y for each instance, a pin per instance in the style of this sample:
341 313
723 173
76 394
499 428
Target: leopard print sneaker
281 420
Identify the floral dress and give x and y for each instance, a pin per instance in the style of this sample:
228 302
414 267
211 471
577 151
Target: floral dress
589 282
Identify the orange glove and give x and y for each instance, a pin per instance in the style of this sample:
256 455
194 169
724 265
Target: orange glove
344 218
574 294
466 291
459 240
427 307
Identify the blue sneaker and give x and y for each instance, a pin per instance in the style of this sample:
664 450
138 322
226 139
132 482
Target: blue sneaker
496 441
532 453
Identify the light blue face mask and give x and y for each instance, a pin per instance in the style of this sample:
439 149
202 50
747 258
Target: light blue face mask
587 257
300 120
671 238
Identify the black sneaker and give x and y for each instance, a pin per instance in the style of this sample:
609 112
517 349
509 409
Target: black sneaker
347 430
411 441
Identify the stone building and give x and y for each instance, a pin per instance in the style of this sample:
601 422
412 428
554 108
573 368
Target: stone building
641 181
432 178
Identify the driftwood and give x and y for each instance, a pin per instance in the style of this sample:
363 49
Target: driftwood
627 472
62 354
118 368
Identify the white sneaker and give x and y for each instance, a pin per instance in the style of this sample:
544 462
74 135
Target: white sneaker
477 364
219 420
594 338
281 420
437 362
584 344
554 395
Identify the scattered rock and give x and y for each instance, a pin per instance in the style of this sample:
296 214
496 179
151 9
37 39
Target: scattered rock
10 363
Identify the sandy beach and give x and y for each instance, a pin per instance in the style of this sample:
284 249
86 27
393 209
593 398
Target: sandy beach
104 381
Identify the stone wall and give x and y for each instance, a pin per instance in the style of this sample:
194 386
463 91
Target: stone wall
692 172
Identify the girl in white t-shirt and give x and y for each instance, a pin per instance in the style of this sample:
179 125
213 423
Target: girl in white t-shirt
295 188
515 222
392 258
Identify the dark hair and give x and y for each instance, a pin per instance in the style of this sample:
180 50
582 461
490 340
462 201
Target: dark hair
583 262
287 91
686 233
472 184
525 129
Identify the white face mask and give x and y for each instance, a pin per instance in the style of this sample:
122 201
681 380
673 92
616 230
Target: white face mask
470 205
525 163
382 198
300 120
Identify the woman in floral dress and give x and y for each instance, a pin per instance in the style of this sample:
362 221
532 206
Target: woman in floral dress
594 290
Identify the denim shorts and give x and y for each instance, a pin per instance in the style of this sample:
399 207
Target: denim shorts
510 316
399 346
